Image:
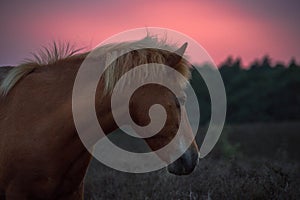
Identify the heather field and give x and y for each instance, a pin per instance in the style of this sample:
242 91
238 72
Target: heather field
250 161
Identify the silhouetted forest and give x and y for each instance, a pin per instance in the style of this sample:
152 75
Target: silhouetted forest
261 92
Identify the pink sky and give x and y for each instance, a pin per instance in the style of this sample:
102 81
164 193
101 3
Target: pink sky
247 30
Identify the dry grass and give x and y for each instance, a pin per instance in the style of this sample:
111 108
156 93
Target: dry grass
243 171
215 179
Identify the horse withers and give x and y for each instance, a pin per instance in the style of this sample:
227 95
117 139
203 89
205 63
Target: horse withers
41 154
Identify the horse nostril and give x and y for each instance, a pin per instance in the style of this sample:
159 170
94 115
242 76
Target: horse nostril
185 164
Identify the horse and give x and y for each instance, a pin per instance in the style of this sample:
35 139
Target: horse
41 154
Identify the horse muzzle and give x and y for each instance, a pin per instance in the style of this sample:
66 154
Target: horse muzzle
186 163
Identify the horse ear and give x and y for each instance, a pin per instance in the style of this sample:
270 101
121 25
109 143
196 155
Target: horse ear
174 58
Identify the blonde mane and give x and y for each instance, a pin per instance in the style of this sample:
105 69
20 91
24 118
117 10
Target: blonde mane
148 52
45 56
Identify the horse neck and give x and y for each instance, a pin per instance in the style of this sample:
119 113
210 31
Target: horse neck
102 103
103 111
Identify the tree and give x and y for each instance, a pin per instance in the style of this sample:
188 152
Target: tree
254 64
237 64
292 63
279 65
227 63
266 62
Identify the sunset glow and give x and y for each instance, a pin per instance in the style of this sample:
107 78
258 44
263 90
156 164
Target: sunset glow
223 29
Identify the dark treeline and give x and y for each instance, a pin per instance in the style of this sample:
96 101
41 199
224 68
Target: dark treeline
261 92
